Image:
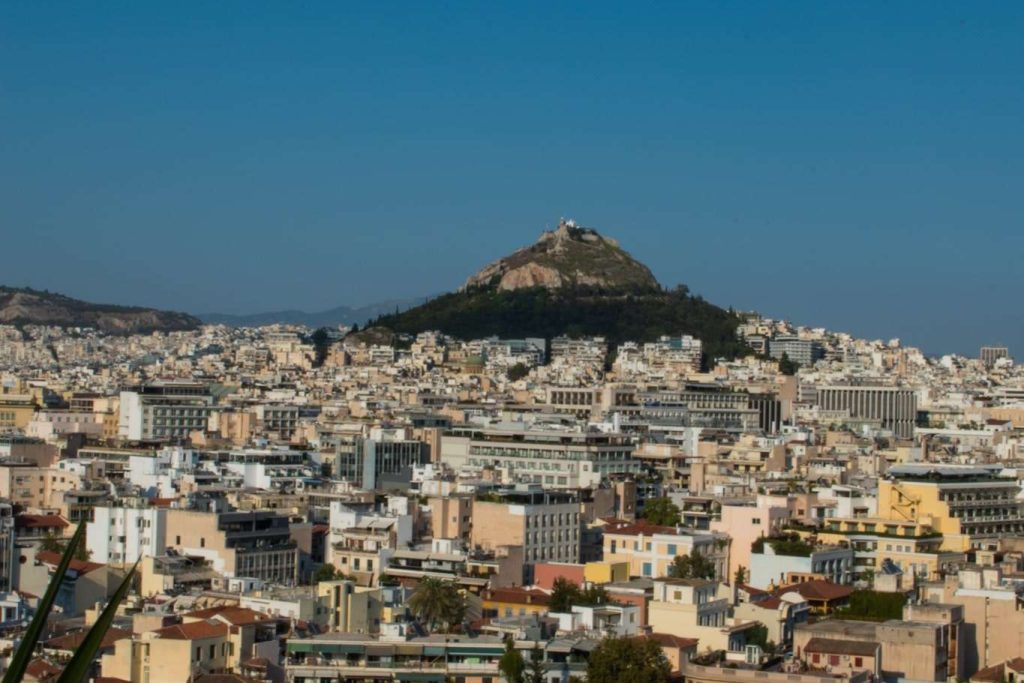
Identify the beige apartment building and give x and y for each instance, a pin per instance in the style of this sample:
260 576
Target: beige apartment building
650 550
36 488
210 641
254 544
545 523
695 608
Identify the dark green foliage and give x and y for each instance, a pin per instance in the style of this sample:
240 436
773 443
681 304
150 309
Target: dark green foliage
511 665
538 312
874 606
692 566
535 671
325 572
565 594
628 660
321 346
787 366
517 372
787 544
661 511
438 604
741 575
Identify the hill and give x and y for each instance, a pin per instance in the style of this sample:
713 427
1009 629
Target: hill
579 284
340 315
33 307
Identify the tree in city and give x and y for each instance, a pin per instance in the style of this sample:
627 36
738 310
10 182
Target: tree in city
565 594
325 572
517 372
321 345
511 664
535 670
628 660
741 575
661 511
787 366
438 604
692 566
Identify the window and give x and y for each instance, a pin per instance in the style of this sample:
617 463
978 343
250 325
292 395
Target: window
199 653
858 662
213 651
647 569
816 658
177 540
671 548
833 660
202 542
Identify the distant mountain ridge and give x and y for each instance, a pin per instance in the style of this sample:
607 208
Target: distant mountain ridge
340 315
24 306
575 282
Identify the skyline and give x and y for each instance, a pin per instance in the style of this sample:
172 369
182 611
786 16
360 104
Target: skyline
843 171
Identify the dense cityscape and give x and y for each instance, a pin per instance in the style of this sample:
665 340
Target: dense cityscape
335 504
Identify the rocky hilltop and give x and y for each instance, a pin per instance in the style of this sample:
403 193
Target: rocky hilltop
568 256
33 307
573 282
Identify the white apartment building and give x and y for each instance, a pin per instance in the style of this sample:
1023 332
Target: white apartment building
122 535
163 411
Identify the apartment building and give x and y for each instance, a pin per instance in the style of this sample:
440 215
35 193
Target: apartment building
696 608
255 544
379 463
894 408
806 352
650 550
163 411
545 523
124 534
957 501
553 458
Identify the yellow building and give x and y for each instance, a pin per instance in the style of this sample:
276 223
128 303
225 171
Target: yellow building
650 550
954 500
16 411
912 546
605 572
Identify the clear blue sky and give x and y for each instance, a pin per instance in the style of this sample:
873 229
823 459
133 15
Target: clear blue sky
856 166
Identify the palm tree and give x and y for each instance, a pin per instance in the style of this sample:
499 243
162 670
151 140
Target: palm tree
437 603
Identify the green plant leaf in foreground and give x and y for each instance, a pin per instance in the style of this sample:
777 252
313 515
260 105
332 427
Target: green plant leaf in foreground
28 644
78 667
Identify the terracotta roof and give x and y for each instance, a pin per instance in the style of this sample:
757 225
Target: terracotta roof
519 596
161 502
26 521
817 589
990 674
831 646
72 640
771 602
78 566
750 590
669 640
41 669
196 630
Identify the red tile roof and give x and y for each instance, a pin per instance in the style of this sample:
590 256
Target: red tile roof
26 521
669 640
197 630
40 669
518 596
72 640
817 589
78 566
